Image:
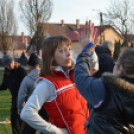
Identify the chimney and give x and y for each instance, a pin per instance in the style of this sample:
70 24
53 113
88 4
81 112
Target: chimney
26 42
62 22
23 38
78 23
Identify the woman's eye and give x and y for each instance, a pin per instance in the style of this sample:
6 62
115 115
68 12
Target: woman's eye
62 50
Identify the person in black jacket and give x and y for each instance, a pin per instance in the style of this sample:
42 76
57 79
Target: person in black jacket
13 75
106 61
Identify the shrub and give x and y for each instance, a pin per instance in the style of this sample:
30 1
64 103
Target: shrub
117 49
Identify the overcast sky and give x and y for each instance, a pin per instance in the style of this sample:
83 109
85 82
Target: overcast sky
70 10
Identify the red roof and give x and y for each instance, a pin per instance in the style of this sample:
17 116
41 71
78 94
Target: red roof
73 36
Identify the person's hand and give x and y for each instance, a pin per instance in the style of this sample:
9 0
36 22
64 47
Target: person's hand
64 131
23 104
19 112
88 35
39 56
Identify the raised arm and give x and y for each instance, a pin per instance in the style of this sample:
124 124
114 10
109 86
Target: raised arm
92 89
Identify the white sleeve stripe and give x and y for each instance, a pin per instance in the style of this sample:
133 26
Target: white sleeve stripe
64 90
65 87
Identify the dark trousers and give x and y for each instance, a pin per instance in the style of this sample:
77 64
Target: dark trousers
19 126
16 123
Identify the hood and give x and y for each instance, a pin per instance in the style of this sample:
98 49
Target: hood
100 50
120 84
34 74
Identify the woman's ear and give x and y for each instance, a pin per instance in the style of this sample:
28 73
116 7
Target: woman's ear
122 70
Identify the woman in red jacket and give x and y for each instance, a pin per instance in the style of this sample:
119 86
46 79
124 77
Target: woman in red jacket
56 91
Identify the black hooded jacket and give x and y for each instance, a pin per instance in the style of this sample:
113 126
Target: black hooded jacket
116 113
106 62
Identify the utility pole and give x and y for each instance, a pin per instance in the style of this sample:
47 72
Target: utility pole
102 35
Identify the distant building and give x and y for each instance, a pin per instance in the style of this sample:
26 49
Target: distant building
109 32
20 44
54 29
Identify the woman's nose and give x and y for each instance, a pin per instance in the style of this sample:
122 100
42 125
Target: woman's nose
68 52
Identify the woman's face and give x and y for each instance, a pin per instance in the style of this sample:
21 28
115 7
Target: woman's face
10 66
63 55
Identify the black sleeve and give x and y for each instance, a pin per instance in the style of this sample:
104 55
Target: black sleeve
22 73
3 86
110 66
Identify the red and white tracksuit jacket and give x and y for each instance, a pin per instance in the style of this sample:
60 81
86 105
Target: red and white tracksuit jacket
69 108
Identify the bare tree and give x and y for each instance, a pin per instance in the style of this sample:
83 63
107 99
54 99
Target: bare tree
35 15
119 15
8 25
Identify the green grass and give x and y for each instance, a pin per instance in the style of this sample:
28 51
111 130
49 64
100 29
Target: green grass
5 106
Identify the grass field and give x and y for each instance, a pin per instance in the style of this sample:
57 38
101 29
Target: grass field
5 105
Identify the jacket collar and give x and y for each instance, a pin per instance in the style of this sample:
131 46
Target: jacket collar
120 84
60 69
